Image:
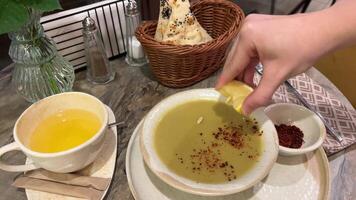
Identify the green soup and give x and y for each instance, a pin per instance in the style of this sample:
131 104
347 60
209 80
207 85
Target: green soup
208 141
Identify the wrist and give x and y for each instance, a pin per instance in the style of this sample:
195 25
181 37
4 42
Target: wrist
336 25
315 36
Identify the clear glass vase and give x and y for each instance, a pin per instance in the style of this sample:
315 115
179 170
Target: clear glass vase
39 70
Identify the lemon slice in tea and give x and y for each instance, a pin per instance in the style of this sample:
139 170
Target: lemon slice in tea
235 93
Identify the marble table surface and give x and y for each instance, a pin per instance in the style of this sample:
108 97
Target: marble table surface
131 95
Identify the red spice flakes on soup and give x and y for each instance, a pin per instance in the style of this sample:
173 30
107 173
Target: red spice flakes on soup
208 141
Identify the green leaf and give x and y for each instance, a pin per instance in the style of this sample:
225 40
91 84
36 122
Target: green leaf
12 16
44 5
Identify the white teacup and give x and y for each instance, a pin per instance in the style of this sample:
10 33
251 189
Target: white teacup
65 161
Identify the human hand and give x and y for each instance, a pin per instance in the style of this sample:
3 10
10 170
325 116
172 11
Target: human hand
285 45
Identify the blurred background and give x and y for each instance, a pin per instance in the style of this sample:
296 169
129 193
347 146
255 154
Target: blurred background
339 66
150 10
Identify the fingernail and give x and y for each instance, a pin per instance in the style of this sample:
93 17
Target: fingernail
245 110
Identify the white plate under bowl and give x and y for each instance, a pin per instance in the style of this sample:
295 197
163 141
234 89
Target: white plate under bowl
299 177
103 166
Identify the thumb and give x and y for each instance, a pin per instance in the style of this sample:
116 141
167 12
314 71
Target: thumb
262 95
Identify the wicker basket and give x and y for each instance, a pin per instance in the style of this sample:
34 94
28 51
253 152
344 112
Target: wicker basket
183 65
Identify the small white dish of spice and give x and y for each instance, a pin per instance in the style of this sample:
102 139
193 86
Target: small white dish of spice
299 130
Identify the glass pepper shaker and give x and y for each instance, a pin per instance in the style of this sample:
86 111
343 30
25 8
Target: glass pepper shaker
99 70
135 56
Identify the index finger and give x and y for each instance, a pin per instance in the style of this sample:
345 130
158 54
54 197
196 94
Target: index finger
237 60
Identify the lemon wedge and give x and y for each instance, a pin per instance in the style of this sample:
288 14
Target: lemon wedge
235 93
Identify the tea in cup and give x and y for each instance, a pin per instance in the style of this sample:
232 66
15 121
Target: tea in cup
61 133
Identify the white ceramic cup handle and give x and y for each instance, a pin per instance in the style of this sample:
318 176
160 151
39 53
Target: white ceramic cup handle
14 168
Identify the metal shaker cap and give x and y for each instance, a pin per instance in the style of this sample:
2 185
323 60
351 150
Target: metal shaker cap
131 7
88 24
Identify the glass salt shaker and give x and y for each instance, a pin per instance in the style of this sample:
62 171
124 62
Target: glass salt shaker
135 55
99 70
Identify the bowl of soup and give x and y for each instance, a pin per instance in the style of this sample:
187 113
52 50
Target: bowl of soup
197 143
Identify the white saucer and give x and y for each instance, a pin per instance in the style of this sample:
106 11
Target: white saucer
103 166
300 177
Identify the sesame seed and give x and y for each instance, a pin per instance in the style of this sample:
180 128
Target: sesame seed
200 120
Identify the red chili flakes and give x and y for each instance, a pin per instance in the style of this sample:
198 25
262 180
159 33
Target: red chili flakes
209 156
290 136
255 128
209 159
214 144
231 135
